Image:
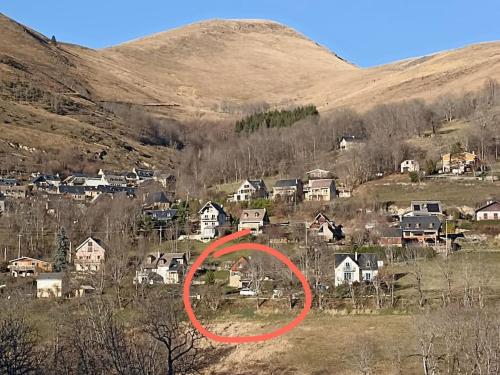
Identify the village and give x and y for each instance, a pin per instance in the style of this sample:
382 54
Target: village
176 233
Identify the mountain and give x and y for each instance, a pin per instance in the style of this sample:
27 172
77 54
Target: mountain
55 94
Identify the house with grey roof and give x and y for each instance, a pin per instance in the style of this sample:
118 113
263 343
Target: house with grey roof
350 268
320 190
166 268
250 189
489 211
212 216
291 190
421 230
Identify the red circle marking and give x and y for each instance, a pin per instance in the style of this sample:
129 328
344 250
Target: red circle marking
231 249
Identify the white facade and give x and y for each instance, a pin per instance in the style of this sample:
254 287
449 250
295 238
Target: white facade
48 286
410 166
212 216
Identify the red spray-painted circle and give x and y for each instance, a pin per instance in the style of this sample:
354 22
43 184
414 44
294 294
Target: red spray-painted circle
231 249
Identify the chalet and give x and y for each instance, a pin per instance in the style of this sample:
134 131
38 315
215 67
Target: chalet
239 274
410 166
254 219
212 216
26 266
459 163
490 211
50 285
421 229
320 190
318 174
350 268
251 189
434 208
288 190
169 267
89 256
157 200
325 228
391 237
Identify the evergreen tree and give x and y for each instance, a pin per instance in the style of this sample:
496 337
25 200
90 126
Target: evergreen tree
53 40
210 278
62 250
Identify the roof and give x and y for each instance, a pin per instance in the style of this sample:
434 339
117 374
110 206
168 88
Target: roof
144 173
157 197
428 206
317 170
97 241
322 183
253 214
257 184
420 222
241 264
50 276
163 215
365 261
169 260
391 232
214 205
66 189
38 260
287 183
490 206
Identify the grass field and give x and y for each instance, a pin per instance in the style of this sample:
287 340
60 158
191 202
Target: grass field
399 190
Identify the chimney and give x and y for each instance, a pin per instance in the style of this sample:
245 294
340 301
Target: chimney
356 256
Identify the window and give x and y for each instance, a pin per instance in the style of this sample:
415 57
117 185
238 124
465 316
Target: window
431 225
485 216
256 214
495 216
368 276
348 265
417 225
347 276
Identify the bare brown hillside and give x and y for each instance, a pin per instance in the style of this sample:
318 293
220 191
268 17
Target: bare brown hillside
211 70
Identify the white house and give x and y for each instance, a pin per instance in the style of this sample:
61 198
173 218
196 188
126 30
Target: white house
89 256
253 219
212 216
350 268
251 189
410 166
49 285
490 211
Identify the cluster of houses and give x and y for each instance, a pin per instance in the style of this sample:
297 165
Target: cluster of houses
454 163
80 187
319 187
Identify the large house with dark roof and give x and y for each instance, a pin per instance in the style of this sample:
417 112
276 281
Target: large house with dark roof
490 211
212 216
421 229
350 268
289 190
250 189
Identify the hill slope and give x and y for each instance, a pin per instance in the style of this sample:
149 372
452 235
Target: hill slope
211 70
